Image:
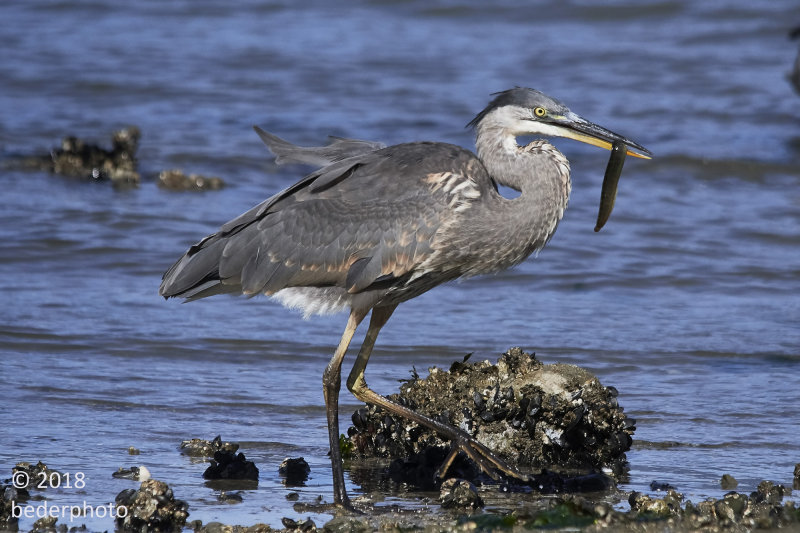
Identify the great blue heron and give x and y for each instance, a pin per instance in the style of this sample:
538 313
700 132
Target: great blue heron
376 226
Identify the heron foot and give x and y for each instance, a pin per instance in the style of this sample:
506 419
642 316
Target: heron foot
483 457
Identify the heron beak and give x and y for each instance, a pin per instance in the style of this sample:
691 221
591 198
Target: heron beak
574 127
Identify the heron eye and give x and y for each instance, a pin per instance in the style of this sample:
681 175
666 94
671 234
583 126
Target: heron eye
540 112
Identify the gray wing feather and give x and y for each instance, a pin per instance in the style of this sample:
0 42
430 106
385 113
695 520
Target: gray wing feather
367 220
337 149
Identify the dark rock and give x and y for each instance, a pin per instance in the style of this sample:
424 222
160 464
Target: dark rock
731 507
769 493
45 524
227 465
298 525
230 497
419 469
9 497
133 451
796 481
644 504
176 180
659 486
207 448
78 158
150 508
294 471
214 527
532 415
38 476
219 527
459 494
728 482
348 524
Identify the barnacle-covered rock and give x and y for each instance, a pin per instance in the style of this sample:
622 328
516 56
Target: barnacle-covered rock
207 448
10 497
35 476
533 415
459 494
150 508
81 159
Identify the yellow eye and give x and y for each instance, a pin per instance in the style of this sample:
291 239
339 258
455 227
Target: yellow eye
540 112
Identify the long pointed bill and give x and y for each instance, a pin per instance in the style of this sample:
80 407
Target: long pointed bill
574 127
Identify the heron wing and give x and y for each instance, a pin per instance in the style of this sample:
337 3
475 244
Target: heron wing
361 223
337 149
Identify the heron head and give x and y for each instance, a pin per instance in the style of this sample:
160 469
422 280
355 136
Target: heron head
523 111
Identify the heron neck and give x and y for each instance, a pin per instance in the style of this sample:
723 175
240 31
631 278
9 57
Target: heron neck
538 170
541 173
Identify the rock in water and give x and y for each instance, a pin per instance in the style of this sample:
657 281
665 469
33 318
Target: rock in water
207 448
177 180
533 415
459 494
294 471
228 465
78 158
151 508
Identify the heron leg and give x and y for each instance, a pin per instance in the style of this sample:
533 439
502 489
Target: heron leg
331 383
461 441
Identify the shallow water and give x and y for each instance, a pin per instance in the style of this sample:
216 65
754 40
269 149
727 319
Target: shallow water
686 301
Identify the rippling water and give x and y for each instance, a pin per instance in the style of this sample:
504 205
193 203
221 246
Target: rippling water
687 301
